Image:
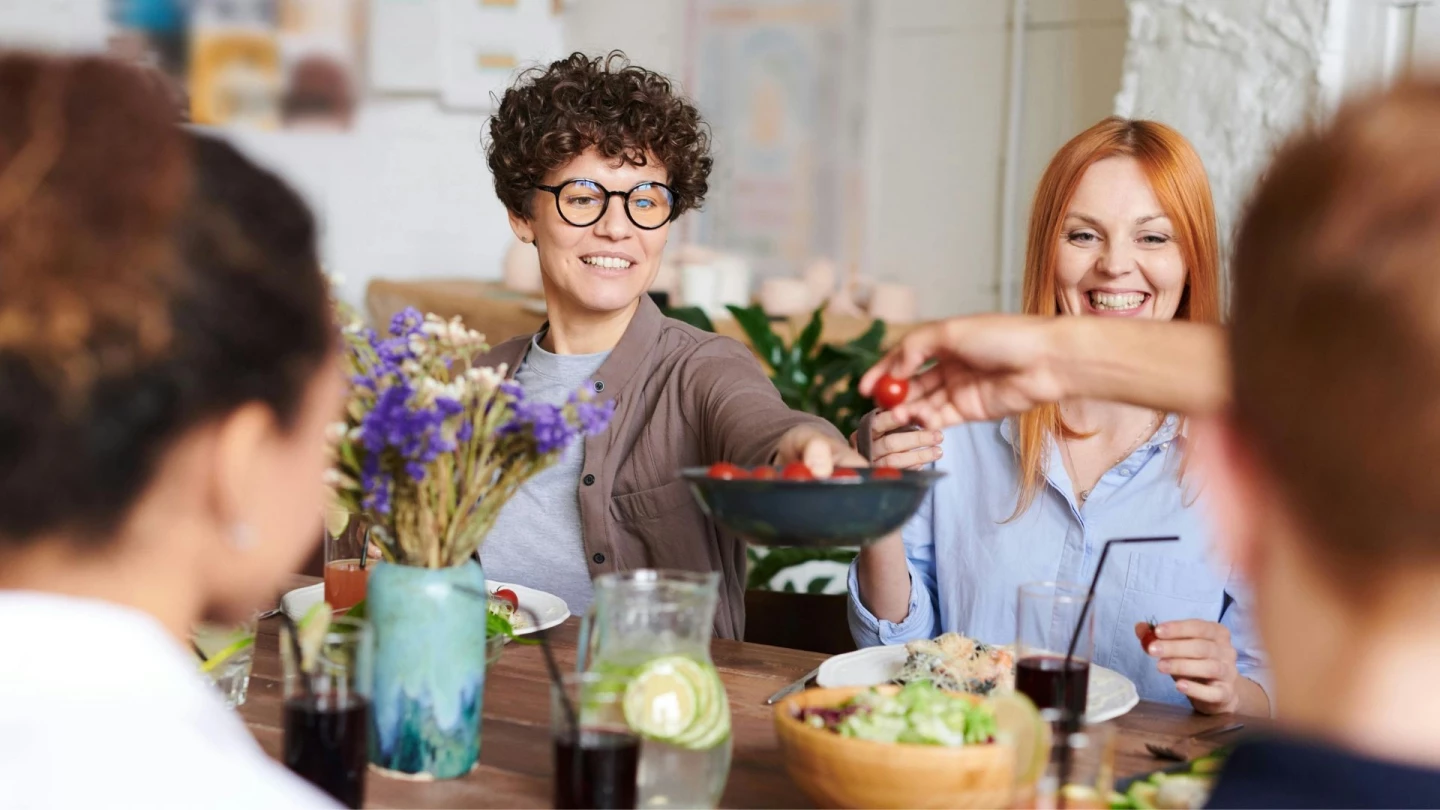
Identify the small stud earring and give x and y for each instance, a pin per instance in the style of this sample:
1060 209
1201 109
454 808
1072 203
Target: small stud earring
242 537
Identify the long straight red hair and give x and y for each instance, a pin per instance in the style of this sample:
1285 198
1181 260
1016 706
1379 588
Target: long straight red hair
1177 176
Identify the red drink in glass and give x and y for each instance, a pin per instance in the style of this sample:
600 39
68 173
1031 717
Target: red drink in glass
345 583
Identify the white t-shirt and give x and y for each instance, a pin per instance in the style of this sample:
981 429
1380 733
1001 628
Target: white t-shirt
100 707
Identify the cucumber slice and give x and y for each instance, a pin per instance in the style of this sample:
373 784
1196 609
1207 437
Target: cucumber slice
663 701
712 721
1143 794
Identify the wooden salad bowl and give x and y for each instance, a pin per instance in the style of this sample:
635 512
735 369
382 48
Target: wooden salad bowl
836 771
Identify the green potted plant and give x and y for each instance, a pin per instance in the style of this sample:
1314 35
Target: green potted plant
823 379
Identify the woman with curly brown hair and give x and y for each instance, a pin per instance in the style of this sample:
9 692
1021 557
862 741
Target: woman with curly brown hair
595 158
167 371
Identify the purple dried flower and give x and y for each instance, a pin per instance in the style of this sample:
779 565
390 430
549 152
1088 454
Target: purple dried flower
593 416
406 322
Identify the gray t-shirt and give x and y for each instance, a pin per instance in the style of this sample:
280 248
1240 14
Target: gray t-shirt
537 539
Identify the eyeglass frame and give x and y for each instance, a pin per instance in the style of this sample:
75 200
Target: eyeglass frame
605 206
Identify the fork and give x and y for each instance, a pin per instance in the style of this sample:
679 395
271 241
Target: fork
1170 752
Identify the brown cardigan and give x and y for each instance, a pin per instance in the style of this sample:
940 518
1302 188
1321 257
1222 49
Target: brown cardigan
683 398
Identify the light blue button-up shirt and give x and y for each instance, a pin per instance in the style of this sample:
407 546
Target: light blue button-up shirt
967 563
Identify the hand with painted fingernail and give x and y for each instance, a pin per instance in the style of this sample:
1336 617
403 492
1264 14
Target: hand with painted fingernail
1200 657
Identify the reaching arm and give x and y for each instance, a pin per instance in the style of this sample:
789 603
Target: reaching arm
992 366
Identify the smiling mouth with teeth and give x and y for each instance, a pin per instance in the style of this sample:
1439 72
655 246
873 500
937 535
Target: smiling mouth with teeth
607 262
1116 302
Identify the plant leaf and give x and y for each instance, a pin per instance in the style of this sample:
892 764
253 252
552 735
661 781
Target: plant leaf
818 585
873 337
811 334
756 325
694 316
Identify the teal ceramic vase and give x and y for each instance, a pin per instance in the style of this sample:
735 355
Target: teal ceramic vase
429 668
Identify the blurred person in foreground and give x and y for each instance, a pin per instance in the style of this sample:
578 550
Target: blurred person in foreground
595 158
1319 450
167 370
1122 227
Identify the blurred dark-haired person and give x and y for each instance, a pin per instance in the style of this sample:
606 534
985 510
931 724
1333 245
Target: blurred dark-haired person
595 158
167 370
1320 451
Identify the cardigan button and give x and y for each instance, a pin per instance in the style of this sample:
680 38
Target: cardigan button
588 479
599 386
598 558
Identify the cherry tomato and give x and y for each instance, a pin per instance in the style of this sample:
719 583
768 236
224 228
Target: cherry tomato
845 472
764 474
890 391
509 596
1149 638
886 473
726 471
797 471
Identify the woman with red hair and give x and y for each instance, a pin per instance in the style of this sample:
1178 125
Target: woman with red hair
1122 227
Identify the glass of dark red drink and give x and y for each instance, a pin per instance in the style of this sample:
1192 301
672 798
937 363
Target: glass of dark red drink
597 756
1048 615
327 709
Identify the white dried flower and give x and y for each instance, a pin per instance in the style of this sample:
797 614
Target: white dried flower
335 431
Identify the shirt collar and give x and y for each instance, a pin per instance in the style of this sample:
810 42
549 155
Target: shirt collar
1167 432
634 348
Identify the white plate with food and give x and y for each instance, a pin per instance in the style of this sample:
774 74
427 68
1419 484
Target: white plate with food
964 665
549 609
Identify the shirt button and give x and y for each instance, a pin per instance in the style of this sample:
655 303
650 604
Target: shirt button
1126 473
598 558
588 480
599 386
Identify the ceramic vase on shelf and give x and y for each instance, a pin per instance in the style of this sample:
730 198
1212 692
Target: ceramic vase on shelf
429 668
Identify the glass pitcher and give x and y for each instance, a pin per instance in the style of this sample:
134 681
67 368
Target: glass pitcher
649 632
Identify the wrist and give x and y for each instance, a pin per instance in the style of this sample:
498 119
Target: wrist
1065 343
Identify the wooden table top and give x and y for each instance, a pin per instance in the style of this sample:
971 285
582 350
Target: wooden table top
515 756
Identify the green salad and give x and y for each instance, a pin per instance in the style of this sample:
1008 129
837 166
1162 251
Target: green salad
917 713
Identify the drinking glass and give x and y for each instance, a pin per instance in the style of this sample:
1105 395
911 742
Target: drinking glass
1047 616
597 756
346 568
225 654
327 709
1081 771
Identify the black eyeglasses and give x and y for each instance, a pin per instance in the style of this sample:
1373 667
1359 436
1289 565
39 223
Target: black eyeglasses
583 202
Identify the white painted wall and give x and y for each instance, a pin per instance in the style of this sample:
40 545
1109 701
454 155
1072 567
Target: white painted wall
408 195
1237 76
1233 76
938 93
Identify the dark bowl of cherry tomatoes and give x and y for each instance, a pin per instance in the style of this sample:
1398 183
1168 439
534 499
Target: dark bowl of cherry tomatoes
788 506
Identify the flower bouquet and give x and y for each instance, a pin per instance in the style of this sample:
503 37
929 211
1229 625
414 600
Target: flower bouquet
430 450
432 447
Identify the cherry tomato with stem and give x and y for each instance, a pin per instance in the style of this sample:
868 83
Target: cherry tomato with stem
509 596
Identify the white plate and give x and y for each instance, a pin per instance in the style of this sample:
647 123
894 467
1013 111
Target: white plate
1110 694
548 608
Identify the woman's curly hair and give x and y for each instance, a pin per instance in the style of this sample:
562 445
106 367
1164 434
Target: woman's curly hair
552 114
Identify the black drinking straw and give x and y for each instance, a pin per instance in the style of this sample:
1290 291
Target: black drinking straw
1070 721
571 719
294 635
